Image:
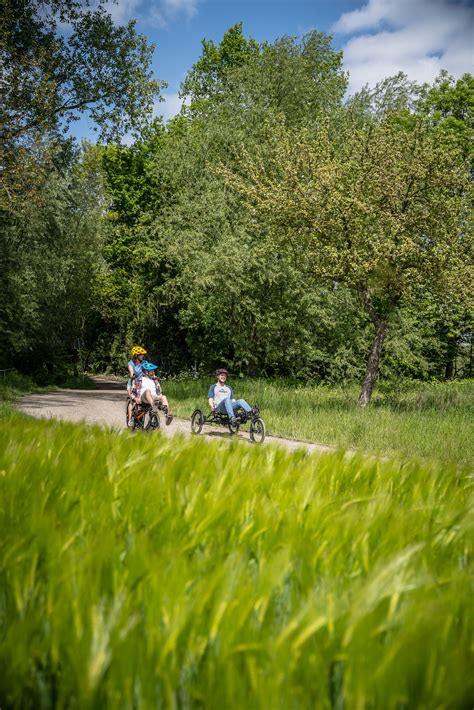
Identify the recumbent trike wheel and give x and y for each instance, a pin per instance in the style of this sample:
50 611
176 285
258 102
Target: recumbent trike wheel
197 421
257 431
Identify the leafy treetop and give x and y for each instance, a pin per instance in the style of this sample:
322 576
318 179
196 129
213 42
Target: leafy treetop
60 58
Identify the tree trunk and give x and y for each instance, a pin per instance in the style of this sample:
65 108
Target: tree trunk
373 363
452 351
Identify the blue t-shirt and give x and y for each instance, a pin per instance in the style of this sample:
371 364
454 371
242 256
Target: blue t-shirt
137 368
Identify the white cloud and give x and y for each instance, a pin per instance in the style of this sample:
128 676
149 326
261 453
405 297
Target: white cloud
174 7
169 107
418 37
157 13
122 10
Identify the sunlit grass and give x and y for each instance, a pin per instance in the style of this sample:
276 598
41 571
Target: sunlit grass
154 572
432 421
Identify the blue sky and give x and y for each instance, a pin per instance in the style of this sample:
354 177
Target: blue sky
378 37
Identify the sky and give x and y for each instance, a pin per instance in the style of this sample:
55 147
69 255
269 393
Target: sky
379 38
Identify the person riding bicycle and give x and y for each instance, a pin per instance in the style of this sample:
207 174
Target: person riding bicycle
134 367
150 390
221 397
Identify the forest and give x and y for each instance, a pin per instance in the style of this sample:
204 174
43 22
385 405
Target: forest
274 226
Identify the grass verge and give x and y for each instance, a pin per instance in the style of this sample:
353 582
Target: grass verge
433 421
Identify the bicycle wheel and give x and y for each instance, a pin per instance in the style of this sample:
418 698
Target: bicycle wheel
138 423
257 431
197 421
126 411
234 428
153 421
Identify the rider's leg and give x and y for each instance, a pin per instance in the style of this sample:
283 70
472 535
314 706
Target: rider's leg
148 398
225 407
164 400
241 403
168 415
129 405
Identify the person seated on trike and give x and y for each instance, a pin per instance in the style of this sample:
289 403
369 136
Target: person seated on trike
221 398
135 372
150 390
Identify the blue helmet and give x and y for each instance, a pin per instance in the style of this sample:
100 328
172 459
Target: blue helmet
148 366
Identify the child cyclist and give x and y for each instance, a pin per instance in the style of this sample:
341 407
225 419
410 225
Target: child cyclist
221 397
150 390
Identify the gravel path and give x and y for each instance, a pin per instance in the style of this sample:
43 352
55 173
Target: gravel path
106 406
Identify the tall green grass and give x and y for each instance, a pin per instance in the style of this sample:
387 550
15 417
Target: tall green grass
432 421
156 572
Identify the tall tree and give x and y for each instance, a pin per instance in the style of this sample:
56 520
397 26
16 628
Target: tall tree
208 76
449 107
60 58
381 206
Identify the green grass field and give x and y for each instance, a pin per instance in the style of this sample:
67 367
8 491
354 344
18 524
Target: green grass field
433 421
148 572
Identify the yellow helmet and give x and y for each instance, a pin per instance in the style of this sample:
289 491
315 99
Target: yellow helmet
137 350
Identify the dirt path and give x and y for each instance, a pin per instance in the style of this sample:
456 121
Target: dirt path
106 406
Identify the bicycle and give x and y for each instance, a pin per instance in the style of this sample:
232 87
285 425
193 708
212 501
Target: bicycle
143 417
257 426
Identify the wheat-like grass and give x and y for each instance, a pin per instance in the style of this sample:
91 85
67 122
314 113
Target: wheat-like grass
144 572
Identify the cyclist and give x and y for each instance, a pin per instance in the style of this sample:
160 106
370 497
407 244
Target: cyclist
134 367
135 364
221 397
150 390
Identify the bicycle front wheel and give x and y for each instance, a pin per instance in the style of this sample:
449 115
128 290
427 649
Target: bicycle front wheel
257 431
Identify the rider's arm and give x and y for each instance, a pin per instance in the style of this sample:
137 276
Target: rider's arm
131 371
210 397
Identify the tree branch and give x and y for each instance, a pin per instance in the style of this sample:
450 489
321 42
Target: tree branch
59 110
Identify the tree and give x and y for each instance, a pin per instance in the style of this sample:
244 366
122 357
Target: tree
381 206
60 58
51 248
201 225
208 76
172 220
449 107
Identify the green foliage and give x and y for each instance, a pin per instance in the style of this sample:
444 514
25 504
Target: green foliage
381 205
130 180
50 251
51 198
163 573
199 267
52 76
449 104
147 243
209 74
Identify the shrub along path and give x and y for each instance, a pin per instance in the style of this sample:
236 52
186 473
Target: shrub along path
106 406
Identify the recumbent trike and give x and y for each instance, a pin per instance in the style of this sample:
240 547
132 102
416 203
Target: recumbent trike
257 426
